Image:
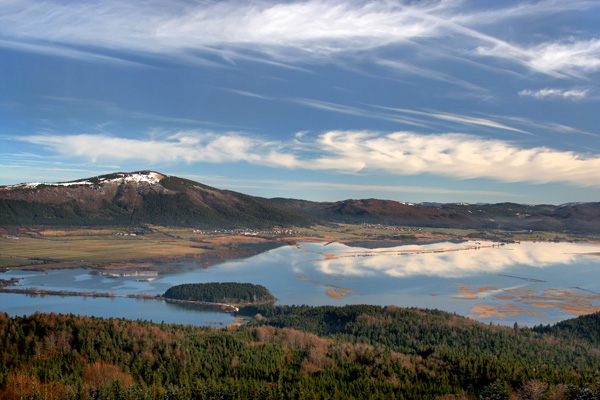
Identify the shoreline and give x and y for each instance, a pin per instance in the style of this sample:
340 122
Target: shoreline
228 308
108 248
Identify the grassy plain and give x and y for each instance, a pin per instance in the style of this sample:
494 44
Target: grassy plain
43 248
110 248
347 232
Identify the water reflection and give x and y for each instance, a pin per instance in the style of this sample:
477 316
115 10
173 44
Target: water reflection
526 282
447 260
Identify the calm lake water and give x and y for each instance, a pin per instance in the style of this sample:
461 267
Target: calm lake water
528 282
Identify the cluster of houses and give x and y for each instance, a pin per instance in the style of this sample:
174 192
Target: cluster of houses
246 232
391 227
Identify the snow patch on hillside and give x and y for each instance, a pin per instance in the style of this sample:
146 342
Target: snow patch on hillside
137 177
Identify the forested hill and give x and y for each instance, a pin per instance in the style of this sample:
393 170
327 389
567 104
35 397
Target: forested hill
221 292
586 327
301 352
578 218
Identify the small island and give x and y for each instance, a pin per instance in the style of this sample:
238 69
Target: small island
230 293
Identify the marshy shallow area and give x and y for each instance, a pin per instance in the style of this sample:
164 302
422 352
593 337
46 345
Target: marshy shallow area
528 282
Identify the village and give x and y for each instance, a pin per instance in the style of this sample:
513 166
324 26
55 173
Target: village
392 228
246 232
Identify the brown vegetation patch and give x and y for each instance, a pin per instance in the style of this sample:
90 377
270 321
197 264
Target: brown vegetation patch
564 301
468 293
101 374
25 386
502 311
336 292
327 256
504 297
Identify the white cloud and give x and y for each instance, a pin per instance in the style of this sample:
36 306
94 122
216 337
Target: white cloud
452 155
569 57
316 27
552 93
187 146
558 59
295 31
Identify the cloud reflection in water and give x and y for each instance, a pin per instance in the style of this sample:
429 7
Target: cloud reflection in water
447 260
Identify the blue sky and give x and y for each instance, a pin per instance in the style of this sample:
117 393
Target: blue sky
474 101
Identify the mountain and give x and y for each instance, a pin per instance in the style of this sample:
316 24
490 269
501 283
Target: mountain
150 197
381 212
574 217
137 198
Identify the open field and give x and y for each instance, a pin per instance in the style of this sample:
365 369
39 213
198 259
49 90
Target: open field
114 248
348 232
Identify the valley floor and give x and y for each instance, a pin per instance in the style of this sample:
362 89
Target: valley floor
121 248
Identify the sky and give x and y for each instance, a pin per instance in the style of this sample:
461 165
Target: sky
414 101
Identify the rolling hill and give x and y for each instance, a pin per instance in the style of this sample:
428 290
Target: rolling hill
148 197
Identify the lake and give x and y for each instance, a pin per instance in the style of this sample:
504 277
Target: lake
529 282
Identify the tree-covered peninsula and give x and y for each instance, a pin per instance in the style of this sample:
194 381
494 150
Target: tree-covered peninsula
221 292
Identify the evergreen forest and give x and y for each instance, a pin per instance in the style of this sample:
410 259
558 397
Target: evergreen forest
220 292
299 352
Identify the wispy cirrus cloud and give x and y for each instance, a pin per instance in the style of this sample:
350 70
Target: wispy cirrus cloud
434 118
553 93
418 118
562 59
246 93
114 110
429 73
534 125
336 186
520 11
457 118
69 52
356 111
321 186
296 32
457 156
